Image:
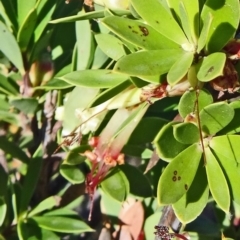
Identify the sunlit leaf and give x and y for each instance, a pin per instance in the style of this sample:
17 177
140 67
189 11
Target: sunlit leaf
156 15
72 173
227 151
188 100
139 34
211 67
190 206
186 133
217 182
166 144
180 68
148 63
94 78
225 20
116 185
215 117
178 176
3 210
62 224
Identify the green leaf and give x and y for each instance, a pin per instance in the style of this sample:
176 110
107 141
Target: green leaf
46 204
85 47
23 9
94 78
74 157
110 45
180 68
188 101
186 133
62 212
100 59
10 48
234 125
110 93
227 151
211 67
148 63
8 147
178 175
72 173
207 22
3 181
55 84
116 185
225 19
30 231
156 15
166 145
215 117
25 105
8 86
137 178
62 224
3 210
150 126
26 29
85 16
217 182
138 33
30 182
191 204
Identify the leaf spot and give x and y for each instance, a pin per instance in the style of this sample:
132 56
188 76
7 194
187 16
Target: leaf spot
186 187
179 178
174 178
175 172
144 30
209 70
130 27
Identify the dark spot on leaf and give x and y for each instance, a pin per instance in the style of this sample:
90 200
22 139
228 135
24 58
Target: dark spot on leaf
130 27
157 22
174 178
179 178
186 187
175 172
144 30
4 30
134 31
209 70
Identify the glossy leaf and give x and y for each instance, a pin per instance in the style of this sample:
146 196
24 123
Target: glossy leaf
186 133
116 185
191 204
26 105
156 15
74 157
178 176
234 125
94 78
148 63
207 22
46 204
166 144
110 45
55 83
62 224
85 48
139 34
188 101
10 48
215 117
180 68
211 67
85 16
24 9
26 29
217 182
225 19
72 173
227 151
110 93
29 230
137 178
